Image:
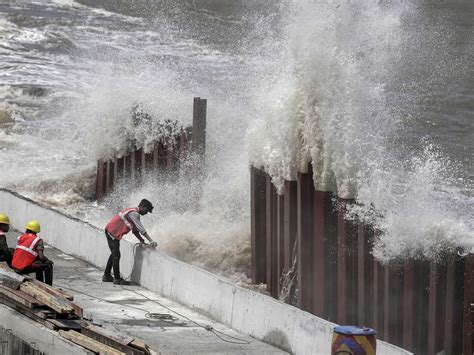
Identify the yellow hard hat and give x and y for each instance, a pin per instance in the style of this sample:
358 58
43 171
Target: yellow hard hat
4 219
33 226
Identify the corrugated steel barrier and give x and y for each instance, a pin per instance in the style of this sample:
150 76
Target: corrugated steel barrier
420 305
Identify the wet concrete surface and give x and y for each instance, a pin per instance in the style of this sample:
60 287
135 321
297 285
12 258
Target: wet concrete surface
166 326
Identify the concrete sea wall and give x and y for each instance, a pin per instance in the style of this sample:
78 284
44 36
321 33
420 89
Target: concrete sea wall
244 310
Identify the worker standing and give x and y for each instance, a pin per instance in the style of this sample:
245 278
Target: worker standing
29 255
122 223
5 252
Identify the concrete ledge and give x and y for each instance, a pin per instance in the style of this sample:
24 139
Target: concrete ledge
40 337
244 310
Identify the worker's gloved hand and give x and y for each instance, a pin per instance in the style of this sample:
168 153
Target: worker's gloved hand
48 262
154 244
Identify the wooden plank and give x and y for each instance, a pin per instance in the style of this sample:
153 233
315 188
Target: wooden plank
53 290
59 304
112 339
139 344
61 294
89 343
10 278
20 297
117 337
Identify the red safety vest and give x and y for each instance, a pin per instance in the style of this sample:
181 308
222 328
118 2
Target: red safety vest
25 253
120 225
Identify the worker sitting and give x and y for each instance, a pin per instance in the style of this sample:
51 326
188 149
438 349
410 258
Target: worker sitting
29 255
5 252
122 223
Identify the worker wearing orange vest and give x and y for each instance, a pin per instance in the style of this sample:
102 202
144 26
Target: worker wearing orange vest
5 251
122 223
29 257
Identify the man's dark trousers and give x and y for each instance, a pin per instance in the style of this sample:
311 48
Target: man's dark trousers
39 268
114 258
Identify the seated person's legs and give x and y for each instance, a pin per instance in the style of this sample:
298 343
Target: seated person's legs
39 267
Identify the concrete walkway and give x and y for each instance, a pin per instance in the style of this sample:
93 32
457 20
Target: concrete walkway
140 313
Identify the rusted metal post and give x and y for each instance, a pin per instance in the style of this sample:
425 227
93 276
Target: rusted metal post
290 228
139 164
342 299
305 242
449 308
156 156
169 157
280 240
346 265
199 125
467 327
107 177
183 144
454 308
271 229
149 162
258 225
364 275
408 304
132 165
393 321
100 180
322 206
115 171
422 276
432 309
120 167
378 316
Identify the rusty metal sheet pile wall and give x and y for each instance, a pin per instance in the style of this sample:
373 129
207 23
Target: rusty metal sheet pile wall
165 156
423 306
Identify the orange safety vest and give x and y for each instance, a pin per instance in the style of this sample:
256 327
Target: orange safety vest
120 225
25 253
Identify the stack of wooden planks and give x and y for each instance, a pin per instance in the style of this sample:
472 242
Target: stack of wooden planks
53 308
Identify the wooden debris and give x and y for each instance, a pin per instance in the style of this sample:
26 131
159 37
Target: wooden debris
61 294
52 290
111 338
37 316
89 343
53 308
140 344
10 278
20 297
59 304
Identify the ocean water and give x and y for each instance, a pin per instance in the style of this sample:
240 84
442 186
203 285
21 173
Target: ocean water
378 96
